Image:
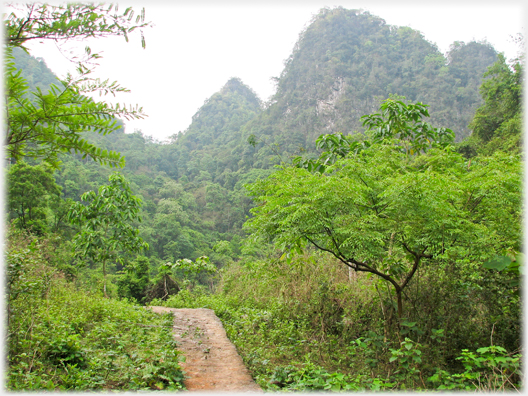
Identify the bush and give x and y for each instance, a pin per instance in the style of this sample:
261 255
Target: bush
488 369
312 326
60 337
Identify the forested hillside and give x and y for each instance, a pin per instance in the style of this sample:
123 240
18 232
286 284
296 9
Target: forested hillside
347 61
361 231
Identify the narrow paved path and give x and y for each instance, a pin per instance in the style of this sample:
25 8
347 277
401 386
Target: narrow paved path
212 362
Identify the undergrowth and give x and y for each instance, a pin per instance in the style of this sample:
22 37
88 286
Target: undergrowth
310 337
63 338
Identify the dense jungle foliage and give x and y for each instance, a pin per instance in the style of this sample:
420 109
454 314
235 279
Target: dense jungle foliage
361 231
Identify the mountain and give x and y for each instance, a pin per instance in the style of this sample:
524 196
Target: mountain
192 188
344 64
211 144
347 61
34 70
222 116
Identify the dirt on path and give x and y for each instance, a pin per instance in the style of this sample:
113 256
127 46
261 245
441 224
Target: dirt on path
212 362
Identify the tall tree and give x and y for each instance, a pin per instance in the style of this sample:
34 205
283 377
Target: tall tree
498 122
106 232
384 211
31 190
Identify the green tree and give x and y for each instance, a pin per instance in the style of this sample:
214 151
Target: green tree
498 122
31 191
166 283
135 281
43 124
106 233
396 119
404 122
191 269
387 213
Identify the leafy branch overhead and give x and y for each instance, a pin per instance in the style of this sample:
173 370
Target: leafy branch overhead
70 21
43 124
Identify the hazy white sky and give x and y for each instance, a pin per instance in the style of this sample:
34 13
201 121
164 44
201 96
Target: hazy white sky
195 47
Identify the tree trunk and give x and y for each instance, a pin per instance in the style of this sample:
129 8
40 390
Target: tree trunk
351 275
104 279
165 285
400 304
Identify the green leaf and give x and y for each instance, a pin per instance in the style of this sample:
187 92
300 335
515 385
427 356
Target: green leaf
497 263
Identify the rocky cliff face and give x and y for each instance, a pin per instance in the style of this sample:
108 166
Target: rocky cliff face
347 61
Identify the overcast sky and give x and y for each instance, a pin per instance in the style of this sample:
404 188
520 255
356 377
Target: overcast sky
195 47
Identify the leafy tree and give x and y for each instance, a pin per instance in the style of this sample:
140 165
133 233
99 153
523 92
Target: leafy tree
385 212
31 191
106 233
192 269
201 264
135 281
47 123
498 122
166 284
395 120
404 122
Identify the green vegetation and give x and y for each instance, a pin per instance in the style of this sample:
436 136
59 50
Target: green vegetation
388 213
106 234
311 325
32 191
62 337
498 122
43 124
341 235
